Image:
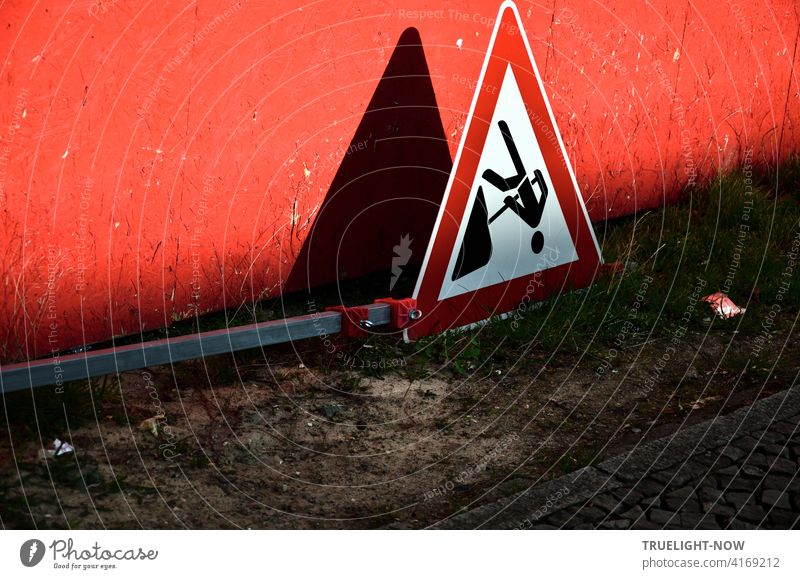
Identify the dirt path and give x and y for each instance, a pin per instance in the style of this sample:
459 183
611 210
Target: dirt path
303 444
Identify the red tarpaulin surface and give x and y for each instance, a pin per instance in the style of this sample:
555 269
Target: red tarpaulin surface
159 159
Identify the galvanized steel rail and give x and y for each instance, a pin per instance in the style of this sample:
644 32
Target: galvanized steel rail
60 369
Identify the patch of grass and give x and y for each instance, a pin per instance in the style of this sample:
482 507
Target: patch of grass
461 349
734 236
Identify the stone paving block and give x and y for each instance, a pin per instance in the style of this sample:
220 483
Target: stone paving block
707 525
751 513
724 476
709 494
776 498
771 437
681 493
650 486
606 502
624 475
651 501
645 525
519 510
620 524
720 509
783 466
627 496
692 471
719 462
759 459
711 459
708 522
660 516
777 450
663 478
690 520
590 513
736 454
781 482
730 470
700 463
747 443
737 500
680 502
753 471
743 484
633 513
781 518
738 525
561 518
786 428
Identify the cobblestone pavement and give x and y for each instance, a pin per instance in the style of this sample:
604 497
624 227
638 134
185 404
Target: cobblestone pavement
738 471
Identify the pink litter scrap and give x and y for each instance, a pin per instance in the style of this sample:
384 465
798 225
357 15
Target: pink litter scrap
723 306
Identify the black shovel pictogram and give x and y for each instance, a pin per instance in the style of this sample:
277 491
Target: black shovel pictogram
476 248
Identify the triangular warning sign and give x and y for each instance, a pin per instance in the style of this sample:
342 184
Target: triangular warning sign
512 225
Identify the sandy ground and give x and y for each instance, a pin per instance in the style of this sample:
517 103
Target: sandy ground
298 444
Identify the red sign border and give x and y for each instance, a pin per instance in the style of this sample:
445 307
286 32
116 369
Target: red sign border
508 45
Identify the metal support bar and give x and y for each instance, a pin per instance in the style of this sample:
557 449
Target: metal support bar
60 369
355 320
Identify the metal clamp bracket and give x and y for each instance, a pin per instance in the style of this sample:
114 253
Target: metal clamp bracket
403 312
355 320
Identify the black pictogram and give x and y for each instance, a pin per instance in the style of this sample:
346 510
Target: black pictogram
476 249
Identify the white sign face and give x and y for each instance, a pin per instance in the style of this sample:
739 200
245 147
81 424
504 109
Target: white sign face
513 225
